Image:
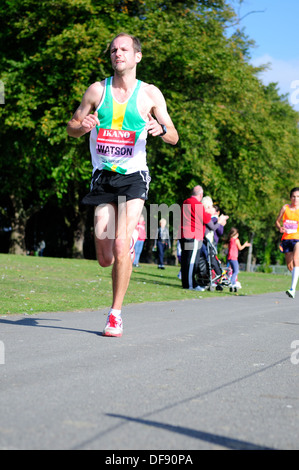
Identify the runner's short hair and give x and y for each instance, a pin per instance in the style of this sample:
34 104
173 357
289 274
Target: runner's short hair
136 41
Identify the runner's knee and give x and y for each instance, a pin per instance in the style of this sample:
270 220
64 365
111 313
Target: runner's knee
105 261
121 248
104 256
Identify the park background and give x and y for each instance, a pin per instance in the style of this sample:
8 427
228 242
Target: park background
239 138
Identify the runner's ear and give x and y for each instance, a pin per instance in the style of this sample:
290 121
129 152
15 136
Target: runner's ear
138 57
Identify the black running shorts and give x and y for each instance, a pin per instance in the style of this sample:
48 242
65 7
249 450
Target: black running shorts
107 186
287 246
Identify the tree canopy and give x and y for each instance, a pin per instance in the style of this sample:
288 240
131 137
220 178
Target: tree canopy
238 138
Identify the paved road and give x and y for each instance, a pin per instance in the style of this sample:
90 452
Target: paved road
204 374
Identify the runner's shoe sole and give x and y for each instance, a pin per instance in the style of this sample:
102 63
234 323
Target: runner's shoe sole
107 332
290 293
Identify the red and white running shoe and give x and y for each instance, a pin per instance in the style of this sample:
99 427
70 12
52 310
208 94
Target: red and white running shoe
114 326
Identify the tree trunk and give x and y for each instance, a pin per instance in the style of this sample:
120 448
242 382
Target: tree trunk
79 232
249 256
18 225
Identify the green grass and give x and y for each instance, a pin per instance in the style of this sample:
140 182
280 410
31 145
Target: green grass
31 284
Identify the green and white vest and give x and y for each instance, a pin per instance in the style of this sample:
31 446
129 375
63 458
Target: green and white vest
119 143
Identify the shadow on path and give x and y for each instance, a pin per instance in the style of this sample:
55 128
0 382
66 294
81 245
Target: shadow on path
227 442
216 439
34 322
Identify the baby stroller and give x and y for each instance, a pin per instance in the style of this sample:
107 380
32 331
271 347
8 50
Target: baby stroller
210 274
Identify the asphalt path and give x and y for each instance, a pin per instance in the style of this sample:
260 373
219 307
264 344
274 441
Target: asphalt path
217 373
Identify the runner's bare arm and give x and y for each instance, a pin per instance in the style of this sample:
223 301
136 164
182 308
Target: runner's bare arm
277 223
159 109
84 120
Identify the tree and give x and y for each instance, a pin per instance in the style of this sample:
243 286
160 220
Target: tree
238 138
48 55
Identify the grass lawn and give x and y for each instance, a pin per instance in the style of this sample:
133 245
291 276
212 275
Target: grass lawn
30 284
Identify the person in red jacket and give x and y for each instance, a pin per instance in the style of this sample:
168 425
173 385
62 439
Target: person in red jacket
193 221
140 227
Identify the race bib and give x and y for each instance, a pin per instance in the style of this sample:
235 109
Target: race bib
115 143
291 226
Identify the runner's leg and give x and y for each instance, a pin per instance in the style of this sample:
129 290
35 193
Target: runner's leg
105 230
128 215
289 257
295 272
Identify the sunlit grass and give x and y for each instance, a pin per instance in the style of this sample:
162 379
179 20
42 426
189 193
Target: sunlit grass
31 284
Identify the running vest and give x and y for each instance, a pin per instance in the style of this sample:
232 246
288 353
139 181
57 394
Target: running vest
119 143
290 222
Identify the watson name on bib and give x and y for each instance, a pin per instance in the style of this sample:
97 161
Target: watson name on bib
112 142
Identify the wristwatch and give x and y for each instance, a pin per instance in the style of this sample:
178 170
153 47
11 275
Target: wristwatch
163 131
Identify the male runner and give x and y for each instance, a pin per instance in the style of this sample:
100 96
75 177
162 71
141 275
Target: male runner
118 113
289 214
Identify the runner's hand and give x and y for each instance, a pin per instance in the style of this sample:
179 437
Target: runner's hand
90 121
152 126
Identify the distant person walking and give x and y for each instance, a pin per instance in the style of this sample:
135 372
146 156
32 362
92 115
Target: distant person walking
234 246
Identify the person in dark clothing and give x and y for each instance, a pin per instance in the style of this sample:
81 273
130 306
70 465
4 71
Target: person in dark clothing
162 242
